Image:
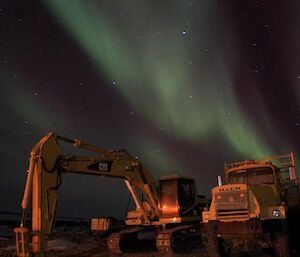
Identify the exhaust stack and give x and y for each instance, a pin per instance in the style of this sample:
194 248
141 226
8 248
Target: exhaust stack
220 183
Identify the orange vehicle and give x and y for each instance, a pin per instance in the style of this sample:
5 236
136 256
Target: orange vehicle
168 210
258 206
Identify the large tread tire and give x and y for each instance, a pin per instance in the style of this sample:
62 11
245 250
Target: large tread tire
212 245
215 246
281 245
294 228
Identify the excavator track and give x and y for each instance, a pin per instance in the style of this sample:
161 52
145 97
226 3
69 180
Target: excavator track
128 240
179 239
113 243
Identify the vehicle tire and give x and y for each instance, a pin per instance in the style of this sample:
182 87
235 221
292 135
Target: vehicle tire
294 228
281 245
224 247
212 245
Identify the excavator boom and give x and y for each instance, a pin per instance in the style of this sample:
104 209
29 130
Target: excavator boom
47 163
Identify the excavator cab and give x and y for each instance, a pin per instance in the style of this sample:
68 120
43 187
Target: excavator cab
177 196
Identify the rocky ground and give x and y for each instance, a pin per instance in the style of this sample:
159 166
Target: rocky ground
75 240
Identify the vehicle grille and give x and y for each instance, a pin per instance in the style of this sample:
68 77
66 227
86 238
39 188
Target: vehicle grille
233 204
230 214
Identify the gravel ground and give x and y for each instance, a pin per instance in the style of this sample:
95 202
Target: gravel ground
76 241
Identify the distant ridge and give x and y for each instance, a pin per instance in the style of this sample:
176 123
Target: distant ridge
57 218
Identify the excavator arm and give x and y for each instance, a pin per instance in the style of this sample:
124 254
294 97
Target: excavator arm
47 163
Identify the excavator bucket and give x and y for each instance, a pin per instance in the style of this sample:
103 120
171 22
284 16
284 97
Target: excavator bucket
44 192
22 241
41 186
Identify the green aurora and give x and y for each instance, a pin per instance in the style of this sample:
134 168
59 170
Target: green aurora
149 57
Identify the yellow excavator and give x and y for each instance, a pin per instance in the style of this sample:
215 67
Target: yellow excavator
168 211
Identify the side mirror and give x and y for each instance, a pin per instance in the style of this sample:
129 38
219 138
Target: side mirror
293 173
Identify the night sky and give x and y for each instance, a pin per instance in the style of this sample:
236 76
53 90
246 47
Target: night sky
183 85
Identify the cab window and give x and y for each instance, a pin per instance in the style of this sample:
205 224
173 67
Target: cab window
254 176
186 193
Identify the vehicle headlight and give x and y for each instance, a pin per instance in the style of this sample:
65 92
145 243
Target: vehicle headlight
276 213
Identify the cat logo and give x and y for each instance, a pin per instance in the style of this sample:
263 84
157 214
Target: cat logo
101 166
